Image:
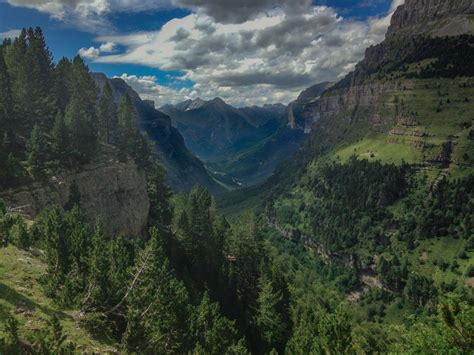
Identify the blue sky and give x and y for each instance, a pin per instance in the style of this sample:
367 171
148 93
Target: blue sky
236 58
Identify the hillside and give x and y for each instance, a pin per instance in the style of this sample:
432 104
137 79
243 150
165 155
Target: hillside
385 179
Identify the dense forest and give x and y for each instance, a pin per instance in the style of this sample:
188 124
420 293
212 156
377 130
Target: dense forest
196 283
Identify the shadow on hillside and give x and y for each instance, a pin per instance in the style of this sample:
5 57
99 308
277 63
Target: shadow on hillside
19 301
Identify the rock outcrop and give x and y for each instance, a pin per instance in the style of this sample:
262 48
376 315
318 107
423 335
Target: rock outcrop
434 17
110 190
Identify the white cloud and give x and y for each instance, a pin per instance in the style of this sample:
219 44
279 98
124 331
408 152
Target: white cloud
246 51
10 34
94 53
266 59
89 15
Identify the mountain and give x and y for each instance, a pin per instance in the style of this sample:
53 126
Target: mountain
183 168
233 141
383 183
209 127
298 117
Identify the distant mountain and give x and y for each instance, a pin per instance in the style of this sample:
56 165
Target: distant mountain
184 169
241 146
209 127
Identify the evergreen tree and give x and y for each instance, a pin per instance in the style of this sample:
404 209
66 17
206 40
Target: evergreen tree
81 112
158 307
15 60
107 115
268 319
60 138
6 98
213 333
82 139
39 66
37 152
62 83
127 126
20 235
99 282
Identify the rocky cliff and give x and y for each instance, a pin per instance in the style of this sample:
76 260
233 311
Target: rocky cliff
434 17
109 189
406 43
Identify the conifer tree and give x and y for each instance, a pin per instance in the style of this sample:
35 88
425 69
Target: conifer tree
81 112
158 311
62 83
268 319
60 138
107 115
6 98
99 282
39 66
16 64
127 127
213 333
37 152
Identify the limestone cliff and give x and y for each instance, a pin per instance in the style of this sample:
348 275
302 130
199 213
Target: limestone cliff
434 17
115 191
411 24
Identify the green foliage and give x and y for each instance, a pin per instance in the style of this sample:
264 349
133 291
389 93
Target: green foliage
107 115
20 235
268 318
37 152
214 333
52 340
60 138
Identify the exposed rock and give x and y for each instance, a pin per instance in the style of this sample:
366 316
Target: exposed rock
434 17
114 191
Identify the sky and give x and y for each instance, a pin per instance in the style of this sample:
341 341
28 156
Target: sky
248 52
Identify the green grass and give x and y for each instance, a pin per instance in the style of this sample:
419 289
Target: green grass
22 297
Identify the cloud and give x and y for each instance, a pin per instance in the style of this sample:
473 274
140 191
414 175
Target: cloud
94 53
270 58
148 89
10 34
89 15
242 10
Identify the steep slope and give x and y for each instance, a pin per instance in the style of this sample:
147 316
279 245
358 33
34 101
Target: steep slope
387 171
184 169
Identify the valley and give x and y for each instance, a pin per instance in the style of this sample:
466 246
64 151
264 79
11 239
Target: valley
341 223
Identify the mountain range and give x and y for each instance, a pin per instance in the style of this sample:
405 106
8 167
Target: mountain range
233 141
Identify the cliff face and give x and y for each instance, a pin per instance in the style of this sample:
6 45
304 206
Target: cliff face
111 190
435 17
361 88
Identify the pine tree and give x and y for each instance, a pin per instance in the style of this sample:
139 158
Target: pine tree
158 307
62 89
16 64
60 138
107 115
268 319
39 66
213 333
37 152
82 139
81 112
127 127
99 282
6 98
